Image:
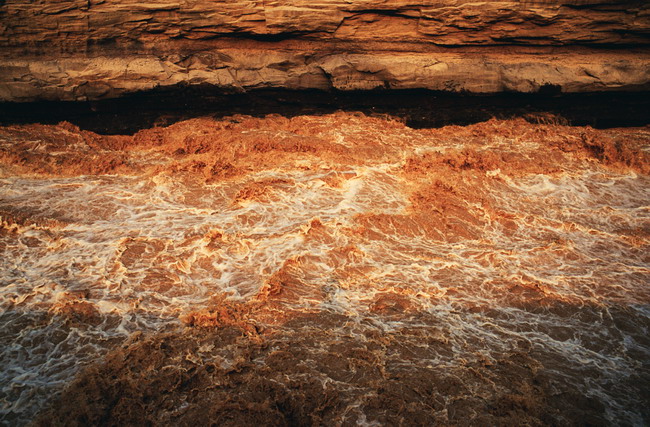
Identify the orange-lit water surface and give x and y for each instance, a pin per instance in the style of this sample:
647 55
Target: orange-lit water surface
492 240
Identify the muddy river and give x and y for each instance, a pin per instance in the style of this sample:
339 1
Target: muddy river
337 269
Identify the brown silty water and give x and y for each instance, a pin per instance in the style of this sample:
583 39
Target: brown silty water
335 269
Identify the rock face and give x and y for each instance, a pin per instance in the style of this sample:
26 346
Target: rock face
93 49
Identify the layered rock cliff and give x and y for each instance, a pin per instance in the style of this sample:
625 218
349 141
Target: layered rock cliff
93 49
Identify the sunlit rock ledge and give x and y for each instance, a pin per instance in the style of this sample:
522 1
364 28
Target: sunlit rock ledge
81 78
89 50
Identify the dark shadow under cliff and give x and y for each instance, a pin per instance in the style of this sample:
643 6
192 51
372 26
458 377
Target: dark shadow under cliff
418 108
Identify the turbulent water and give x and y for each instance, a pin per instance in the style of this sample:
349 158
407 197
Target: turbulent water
336 269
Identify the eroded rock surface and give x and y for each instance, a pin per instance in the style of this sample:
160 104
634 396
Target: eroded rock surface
76 50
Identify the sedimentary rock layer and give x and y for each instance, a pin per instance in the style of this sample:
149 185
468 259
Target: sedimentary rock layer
81 24
82 78
75 50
